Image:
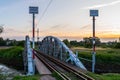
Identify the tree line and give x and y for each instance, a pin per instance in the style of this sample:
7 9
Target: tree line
8 42
87 43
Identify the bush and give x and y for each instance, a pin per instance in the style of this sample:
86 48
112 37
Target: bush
14 52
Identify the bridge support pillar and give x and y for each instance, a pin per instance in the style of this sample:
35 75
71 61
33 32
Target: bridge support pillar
30 61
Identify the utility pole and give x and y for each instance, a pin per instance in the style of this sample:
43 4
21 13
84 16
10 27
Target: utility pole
93 13
33 11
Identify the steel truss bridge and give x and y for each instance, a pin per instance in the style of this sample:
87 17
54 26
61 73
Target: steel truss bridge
57 53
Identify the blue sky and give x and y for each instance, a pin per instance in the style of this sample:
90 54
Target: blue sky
63 18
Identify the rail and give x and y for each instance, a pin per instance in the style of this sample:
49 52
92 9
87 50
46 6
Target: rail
52 68
79 74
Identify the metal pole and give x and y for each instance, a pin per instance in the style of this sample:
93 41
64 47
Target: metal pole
93 53
33 31
33 42
33 11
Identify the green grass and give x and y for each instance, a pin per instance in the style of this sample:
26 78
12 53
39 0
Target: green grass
107 60
103 56
12 57
36 77
108 76
2 77
13 52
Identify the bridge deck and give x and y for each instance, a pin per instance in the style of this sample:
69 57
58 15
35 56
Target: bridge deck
42 69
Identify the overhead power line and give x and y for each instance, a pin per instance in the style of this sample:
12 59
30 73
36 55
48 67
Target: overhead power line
44 12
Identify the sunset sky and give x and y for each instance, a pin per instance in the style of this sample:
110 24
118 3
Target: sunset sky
63 18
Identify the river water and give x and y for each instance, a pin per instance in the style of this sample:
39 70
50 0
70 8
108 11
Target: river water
7 73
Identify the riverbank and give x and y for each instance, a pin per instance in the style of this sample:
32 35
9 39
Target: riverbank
12 57
7 73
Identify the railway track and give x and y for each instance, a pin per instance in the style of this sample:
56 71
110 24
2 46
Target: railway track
52 67
80 75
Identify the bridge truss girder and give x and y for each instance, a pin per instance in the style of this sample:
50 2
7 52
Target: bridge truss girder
53 46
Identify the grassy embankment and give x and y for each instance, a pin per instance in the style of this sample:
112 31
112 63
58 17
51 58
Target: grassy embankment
12 57
107 60
35 77
107 76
